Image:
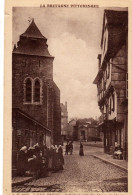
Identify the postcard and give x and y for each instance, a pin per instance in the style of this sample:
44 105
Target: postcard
66 88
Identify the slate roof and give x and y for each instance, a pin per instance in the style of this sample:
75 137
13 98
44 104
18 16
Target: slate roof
32 42
32 49
118 20
33 31
115 18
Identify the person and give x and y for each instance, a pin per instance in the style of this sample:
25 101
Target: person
67 149
45 154
81 153
43 165
22 161
55 159
50 158
30 164
61 158
118 153
71 148
37 161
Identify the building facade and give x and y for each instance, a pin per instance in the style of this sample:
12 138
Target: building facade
36 112
64 120
72 130
88 132
111 80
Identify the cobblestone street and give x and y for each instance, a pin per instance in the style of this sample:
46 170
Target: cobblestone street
80 174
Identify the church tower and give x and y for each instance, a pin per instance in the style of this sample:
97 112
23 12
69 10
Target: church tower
33 89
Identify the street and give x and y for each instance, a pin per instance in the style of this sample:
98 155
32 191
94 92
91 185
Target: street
80 174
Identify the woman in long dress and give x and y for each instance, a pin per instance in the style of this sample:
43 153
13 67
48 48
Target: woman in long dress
22 161
50 158
61 158
81 153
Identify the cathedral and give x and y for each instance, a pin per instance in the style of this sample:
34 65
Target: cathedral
36 112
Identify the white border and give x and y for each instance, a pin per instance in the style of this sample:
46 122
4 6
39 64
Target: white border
1 89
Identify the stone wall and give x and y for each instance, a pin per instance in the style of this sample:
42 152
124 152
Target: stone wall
56 115
32 67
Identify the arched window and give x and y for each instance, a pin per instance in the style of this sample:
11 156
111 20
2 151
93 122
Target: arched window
37 91
110 107
108 69
113 99
28 96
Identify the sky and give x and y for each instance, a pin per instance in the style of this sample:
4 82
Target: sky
73 38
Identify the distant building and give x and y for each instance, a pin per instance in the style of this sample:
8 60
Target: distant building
64 120
112 81
99 129
36 113
88 132
71 129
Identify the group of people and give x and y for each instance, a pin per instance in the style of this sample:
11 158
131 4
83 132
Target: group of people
69 148
38 161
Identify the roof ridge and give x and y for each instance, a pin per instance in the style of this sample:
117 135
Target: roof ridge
33 31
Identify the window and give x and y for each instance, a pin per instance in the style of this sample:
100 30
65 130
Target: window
106 75
37 91
108 69
28 90
110 107
104 45
113 99
102 84
32 91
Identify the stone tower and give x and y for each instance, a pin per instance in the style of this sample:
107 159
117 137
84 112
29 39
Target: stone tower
33 89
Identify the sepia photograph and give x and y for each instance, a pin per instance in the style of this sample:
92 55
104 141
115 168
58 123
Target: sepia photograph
69 99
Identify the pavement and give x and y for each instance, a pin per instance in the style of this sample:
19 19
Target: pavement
20 180
99 153
122 164
94 144
94 172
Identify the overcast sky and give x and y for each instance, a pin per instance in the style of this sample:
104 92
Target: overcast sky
74 37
